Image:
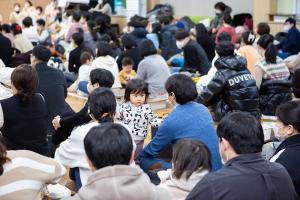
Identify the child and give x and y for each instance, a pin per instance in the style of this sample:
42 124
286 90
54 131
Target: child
191 162
86 59
136 113
127 73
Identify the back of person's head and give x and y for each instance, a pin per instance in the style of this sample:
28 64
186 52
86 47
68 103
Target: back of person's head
41 53
40 22
224 36
225 48
103 77
147 48
86 15
291 20
76 16
137 21
104 49
248 37
28 2
27 22
6 28
182 87
102 105
200 30
135 86
156 27
78 38
263 28
266 43
25 80
107 145
227 19
296 83
3 157
127 61
243 132
220 6
85 57
190 156
128 41
182 34
40 9
166 18
16 29
289 114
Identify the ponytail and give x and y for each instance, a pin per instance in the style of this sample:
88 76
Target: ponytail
271 53
3 157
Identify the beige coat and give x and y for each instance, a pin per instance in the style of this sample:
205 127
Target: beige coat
120 182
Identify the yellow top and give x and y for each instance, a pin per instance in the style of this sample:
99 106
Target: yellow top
125 77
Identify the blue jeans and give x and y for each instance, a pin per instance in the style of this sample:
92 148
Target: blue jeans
283 55
147 163
70 78
83 87
75 176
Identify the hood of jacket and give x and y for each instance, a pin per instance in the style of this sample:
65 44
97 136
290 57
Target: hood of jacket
235 62
139 32
121 182
104 60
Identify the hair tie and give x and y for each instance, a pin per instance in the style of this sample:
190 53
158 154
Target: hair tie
18 28
251 37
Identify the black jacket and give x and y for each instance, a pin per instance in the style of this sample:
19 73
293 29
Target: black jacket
289 151
273 93
195 57
168 41
134 54
246 177
6 51
292 43
139 34
233 88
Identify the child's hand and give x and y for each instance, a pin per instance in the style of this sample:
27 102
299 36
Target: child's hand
56 122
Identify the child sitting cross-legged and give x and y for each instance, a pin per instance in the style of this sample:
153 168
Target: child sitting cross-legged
136 113
127 73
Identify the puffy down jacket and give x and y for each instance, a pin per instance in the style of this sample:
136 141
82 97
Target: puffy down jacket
273 93
233 88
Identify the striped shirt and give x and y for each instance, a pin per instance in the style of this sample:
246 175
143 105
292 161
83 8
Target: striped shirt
26 173
278 71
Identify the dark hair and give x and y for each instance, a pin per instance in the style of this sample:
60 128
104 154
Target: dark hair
289 114
127 61
221 6
227 19
42 53
137 21
147 48
225 48
263 28
104 49
102 104
78 38
224 36
25 79
128 41
266 42
3 157
86 15
27 22
103 77
39 8
296 83
181 34
183 87
41 22
107 145
248 37
135 86
6 28
16 29
93 29
17 4
85 56
190 156
156 28
243 132
28 1
76 16
291 21
165 19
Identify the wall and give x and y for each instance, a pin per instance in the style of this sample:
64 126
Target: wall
206 7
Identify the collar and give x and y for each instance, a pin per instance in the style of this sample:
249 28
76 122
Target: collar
245 158
291 141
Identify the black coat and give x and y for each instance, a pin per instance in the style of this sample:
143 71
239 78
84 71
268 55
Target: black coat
168 41
134 54
139 34
246 177
273 93
289 157
6 50
195 57
233 88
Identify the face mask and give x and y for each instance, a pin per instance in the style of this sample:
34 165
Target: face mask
277 134
218 12
180 44
17 9
286 28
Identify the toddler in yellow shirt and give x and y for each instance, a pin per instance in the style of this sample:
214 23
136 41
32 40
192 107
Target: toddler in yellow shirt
127 72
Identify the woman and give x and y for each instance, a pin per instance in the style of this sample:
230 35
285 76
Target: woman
104 7
15 16
92 36
153 69
272 77
105 60
23 116
205 40
21 43
191 162
248 51
287 130
26 173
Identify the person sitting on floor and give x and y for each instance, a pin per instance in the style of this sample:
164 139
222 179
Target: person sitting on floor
127 72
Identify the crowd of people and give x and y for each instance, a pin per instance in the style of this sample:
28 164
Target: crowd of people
220 81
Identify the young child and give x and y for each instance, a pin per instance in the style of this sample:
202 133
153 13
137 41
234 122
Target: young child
86 59
136 113
127 73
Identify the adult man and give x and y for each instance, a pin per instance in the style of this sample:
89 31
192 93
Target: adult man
109 151
246 175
